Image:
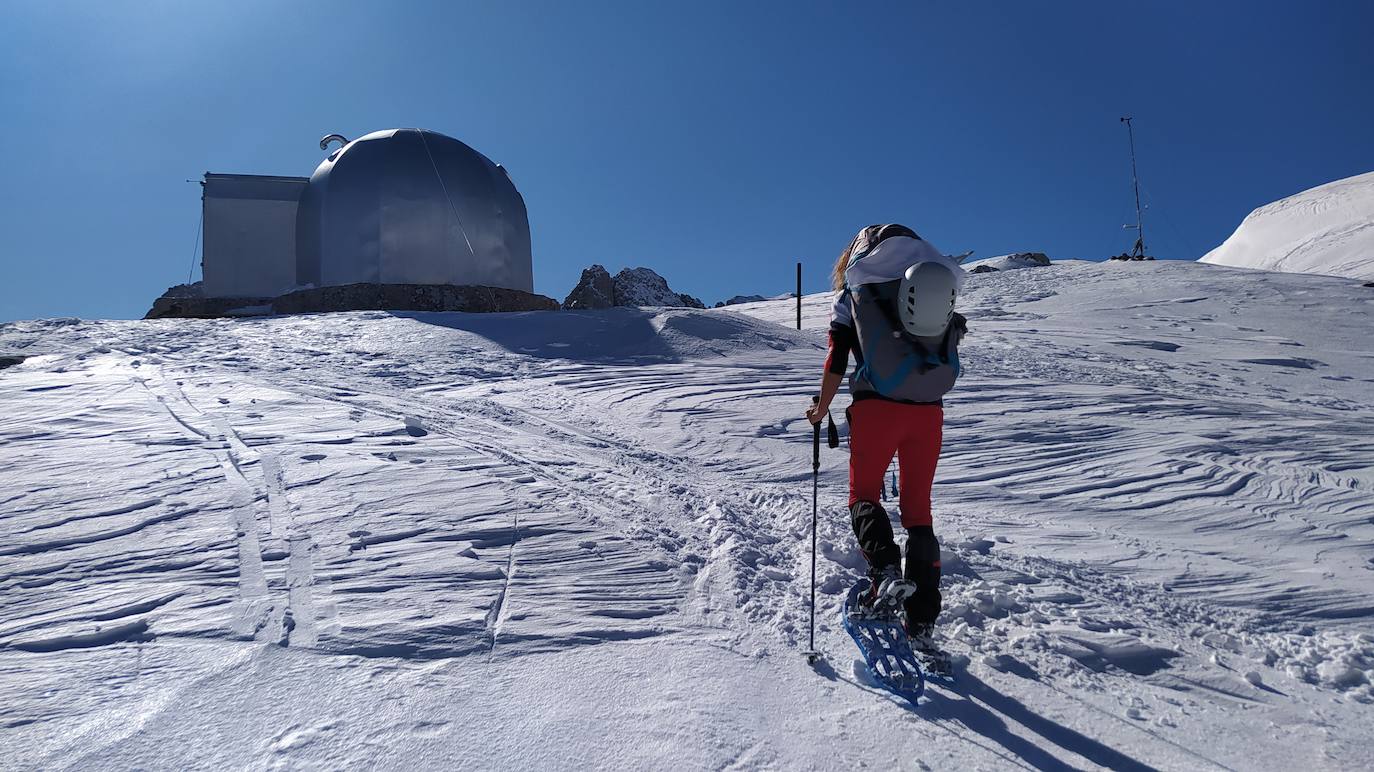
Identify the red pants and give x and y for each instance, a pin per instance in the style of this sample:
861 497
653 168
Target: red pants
879 429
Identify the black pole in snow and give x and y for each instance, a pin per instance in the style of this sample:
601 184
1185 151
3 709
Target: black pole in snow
1139 248
799 299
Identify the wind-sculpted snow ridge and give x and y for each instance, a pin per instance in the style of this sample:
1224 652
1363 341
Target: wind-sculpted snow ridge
582 539
1326 230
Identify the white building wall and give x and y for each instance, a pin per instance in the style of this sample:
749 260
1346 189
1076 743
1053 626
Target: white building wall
250 235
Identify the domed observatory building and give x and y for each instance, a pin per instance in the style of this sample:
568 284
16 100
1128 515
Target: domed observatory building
403 219
411 206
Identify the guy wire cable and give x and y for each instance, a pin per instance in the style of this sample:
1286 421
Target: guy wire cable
444 187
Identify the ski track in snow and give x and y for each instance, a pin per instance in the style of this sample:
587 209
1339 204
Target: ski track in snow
294 536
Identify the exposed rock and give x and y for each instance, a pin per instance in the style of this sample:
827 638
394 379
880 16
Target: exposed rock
643 287
596 289
7 360
1012 262
196 290
1029 258
691 301
188 300
353 297
630 287
262 310
410 297
195 307
736 300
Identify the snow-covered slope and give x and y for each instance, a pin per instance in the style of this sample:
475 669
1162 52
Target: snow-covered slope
1326 230
581 539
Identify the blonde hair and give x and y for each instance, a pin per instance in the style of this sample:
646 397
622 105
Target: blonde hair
869 238
841 266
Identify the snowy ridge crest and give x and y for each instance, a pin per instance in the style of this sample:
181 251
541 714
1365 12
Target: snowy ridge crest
1328 230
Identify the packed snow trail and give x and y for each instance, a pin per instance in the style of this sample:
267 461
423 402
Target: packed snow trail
581 539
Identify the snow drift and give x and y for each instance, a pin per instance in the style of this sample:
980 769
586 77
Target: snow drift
1326 230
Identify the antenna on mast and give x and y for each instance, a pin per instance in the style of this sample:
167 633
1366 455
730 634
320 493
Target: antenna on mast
1138 250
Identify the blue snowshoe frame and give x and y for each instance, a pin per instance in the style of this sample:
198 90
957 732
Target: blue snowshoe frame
888 656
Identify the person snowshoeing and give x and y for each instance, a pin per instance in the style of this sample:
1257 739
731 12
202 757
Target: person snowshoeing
894 311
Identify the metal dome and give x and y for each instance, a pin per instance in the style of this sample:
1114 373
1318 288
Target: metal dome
410 206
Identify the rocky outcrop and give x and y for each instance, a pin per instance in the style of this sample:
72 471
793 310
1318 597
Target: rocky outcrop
187 301
596 289
410 297
184 301
738 299
1030 258
643 287
1012 262
196 290
630 287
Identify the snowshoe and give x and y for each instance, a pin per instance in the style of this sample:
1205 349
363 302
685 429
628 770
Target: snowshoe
877 630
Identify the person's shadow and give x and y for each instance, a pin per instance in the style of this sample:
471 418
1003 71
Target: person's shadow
985 711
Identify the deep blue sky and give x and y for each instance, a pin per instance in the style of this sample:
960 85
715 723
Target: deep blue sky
716 142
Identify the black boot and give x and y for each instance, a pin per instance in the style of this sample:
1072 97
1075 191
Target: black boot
923 569
874 532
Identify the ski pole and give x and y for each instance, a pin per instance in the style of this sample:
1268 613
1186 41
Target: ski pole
811 653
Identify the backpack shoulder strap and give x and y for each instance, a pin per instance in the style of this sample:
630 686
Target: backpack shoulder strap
884 305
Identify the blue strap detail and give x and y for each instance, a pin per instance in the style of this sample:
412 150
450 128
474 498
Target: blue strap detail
909 364
891 382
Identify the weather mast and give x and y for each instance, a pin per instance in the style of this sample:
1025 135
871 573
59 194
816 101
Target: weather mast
1138 249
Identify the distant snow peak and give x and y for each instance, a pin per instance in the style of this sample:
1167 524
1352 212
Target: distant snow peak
631 287
1011 262
1328 230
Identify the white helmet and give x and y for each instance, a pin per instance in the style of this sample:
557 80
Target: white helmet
925 298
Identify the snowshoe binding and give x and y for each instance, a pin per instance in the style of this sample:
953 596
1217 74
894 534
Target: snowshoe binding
886 593
934 660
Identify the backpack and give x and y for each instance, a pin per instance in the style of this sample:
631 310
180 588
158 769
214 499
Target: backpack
897 364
